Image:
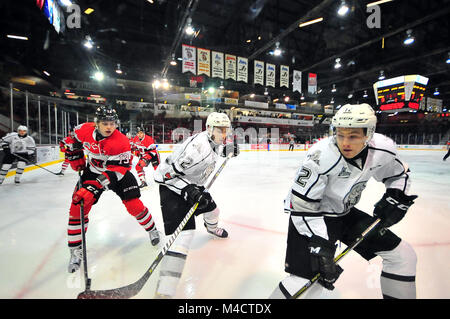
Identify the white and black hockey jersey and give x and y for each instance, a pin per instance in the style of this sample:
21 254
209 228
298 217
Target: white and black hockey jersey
19 145
329 185
191 163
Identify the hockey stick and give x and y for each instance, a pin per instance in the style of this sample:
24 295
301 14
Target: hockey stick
27 161
338 258
87 280
131 290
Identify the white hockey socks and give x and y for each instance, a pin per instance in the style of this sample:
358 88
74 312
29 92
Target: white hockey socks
3 171
19 171
172 265
398 278
211 220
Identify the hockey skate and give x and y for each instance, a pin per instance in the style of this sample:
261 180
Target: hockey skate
218 232
154 236
76 255
143 184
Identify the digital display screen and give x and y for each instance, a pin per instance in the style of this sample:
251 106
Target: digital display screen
403 92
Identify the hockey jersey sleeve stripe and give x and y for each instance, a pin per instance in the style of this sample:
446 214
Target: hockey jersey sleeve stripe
398 175
324 173
305 198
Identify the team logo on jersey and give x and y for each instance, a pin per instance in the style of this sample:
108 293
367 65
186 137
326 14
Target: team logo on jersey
354 195
315 157
344 173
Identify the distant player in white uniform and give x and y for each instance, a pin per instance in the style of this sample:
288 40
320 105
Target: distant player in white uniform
17 143
321 202
182 177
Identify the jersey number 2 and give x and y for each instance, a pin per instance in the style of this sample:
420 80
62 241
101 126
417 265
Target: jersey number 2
303 176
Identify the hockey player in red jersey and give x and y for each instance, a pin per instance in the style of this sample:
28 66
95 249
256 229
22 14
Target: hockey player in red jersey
63 144
108 167
144 147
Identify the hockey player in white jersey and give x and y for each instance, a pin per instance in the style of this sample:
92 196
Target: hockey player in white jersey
17 143
181 177
321 205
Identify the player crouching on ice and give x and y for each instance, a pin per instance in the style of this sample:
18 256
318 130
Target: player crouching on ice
108 152
321 204
181 177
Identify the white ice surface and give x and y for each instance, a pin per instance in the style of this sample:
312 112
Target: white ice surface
249 264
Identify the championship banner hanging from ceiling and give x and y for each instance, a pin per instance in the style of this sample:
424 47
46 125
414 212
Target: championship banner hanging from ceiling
284 76
204 61
189 59
297 81
270 74
312 83
230 67
242 69
258 76
217 68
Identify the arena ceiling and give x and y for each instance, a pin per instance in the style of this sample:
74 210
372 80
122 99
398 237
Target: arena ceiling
142 36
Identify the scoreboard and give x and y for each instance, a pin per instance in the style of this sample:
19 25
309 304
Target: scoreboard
400 94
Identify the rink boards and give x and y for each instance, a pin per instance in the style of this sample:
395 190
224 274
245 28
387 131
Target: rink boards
50 154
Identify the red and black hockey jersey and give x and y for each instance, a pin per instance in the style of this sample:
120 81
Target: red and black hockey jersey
112 153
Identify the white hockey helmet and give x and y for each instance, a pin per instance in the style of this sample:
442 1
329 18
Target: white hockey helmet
356 116
22 128
216 119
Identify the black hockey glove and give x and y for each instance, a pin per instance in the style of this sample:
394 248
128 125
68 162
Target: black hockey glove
322 261
393 207
193 194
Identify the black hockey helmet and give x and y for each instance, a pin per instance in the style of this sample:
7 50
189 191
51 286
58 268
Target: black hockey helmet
106 113
139 129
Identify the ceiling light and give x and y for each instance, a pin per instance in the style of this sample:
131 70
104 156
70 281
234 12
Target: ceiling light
99 76
118 70
286 99
350 96
189 30
46 73
173 61
377 3
259 37
332 101
302 97
156 84
17 37
315 102
252 95
221 85
304 24
381 77
436 91
409 39
343 9
277 51
365 94
334 88
88 42
338 64
89 11
266 92
448 59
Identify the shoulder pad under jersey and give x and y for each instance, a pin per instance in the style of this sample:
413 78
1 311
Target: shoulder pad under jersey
324 154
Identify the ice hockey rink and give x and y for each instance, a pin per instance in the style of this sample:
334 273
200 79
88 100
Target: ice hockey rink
247 265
